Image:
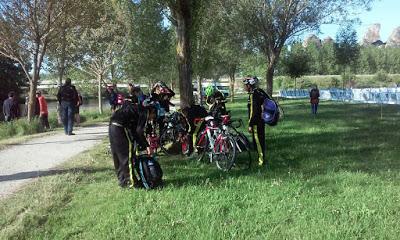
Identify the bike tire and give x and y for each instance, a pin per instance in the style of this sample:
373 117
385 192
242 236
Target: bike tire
167 137
202 148
226 155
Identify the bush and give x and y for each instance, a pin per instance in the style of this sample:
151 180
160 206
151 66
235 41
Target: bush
335 83
382 78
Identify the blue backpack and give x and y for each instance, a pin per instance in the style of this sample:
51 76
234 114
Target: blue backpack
270 111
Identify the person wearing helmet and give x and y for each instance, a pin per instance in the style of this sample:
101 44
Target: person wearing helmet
256 123
216 102
126 130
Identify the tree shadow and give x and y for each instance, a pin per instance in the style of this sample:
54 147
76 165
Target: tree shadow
51 172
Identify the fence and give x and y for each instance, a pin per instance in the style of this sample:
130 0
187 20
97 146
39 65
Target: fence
365 95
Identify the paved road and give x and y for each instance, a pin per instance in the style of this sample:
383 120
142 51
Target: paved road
24 162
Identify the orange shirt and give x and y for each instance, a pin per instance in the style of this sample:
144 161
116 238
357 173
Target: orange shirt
42 105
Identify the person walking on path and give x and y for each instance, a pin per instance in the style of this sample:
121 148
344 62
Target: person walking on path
256 123
43 112
314 99
10 107
67 96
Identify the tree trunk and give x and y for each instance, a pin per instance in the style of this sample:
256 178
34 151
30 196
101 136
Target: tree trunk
199 90
270 78
61 67
100 79
232 84
32 94
183 16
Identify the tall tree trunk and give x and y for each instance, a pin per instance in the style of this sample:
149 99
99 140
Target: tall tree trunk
270 78
61 67
232 83
199 90
183 16
32 94
100 80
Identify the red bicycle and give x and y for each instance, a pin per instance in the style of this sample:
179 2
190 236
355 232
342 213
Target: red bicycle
216 143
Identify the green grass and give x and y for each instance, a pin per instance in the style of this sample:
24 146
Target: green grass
335 176
22 127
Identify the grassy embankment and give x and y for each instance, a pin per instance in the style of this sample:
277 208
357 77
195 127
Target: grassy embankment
335 176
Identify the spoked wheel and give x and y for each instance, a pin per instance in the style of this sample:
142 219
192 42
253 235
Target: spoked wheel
168 142
202 146
225 153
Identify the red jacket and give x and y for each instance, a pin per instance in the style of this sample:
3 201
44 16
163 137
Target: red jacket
43 105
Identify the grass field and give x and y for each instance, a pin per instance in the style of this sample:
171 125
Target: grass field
335 176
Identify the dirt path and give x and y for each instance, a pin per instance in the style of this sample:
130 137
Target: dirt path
24 162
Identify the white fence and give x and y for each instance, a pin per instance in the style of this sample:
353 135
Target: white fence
365 95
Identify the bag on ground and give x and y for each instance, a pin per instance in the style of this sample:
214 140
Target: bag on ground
149 171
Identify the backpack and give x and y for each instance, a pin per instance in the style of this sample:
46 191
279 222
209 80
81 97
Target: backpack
68 93
270 110
149 171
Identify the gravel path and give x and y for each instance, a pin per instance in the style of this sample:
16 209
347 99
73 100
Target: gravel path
24 162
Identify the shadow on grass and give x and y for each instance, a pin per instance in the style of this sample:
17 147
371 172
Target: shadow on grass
35 174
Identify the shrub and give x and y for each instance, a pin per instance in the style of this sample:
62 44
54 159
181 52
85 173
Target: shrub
381 77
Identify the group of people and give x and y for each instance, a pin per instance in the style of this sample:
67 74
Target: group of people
69 102
131 121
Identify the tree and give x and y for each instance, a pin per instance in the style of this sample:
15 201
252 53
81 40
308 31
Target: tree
296 62
182 18
347 49
12 77
150 41
103 43
270 24
27 27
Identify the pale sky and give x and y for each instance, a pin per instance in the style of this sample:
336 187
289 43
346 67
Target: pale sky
385 12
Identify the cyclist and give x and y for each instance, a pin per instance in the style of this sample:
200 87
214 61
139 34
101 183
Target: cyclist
256 123
216 102
127 126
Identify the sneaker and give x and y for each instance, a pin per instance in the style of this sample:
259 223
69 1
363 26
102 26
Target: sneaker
71 134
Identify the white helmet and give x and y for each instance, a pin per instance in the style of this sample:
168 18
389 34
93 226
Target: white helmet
250 81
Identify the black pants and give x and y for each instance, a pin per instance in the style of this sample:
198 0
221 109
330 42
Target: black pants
122 152
259 141
44 121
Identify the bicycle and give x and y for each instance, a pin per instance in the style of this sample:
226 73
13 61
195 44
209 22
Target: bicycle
216 143
174 132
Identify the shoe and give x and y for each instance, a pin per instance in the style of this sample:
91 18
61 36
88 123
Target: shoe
138 184
71 134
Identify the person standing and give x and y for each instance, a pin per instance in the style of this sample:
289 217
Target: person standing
256 123
78 105
314 99
67 96
43 112
10 107
113 98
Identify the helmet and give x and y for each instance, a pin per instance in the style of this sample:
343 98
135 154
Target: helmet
209 91
250 80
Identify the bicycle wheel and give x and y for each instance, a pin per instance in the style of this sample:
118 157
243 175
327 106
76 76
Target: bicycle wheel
225 152
202 146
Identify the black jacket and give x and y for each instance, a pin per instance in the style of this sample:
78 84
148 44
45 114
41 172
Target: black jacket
10 108
133 118
254 106
67 93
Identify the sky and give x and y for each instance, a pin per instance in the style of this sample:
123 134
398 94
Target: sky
385 12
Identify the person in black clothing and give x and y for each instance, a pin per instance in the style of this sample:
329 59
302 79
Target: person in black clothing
256 123
112 98
10 107
127 129
314 99
67 96
216 101
194 116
